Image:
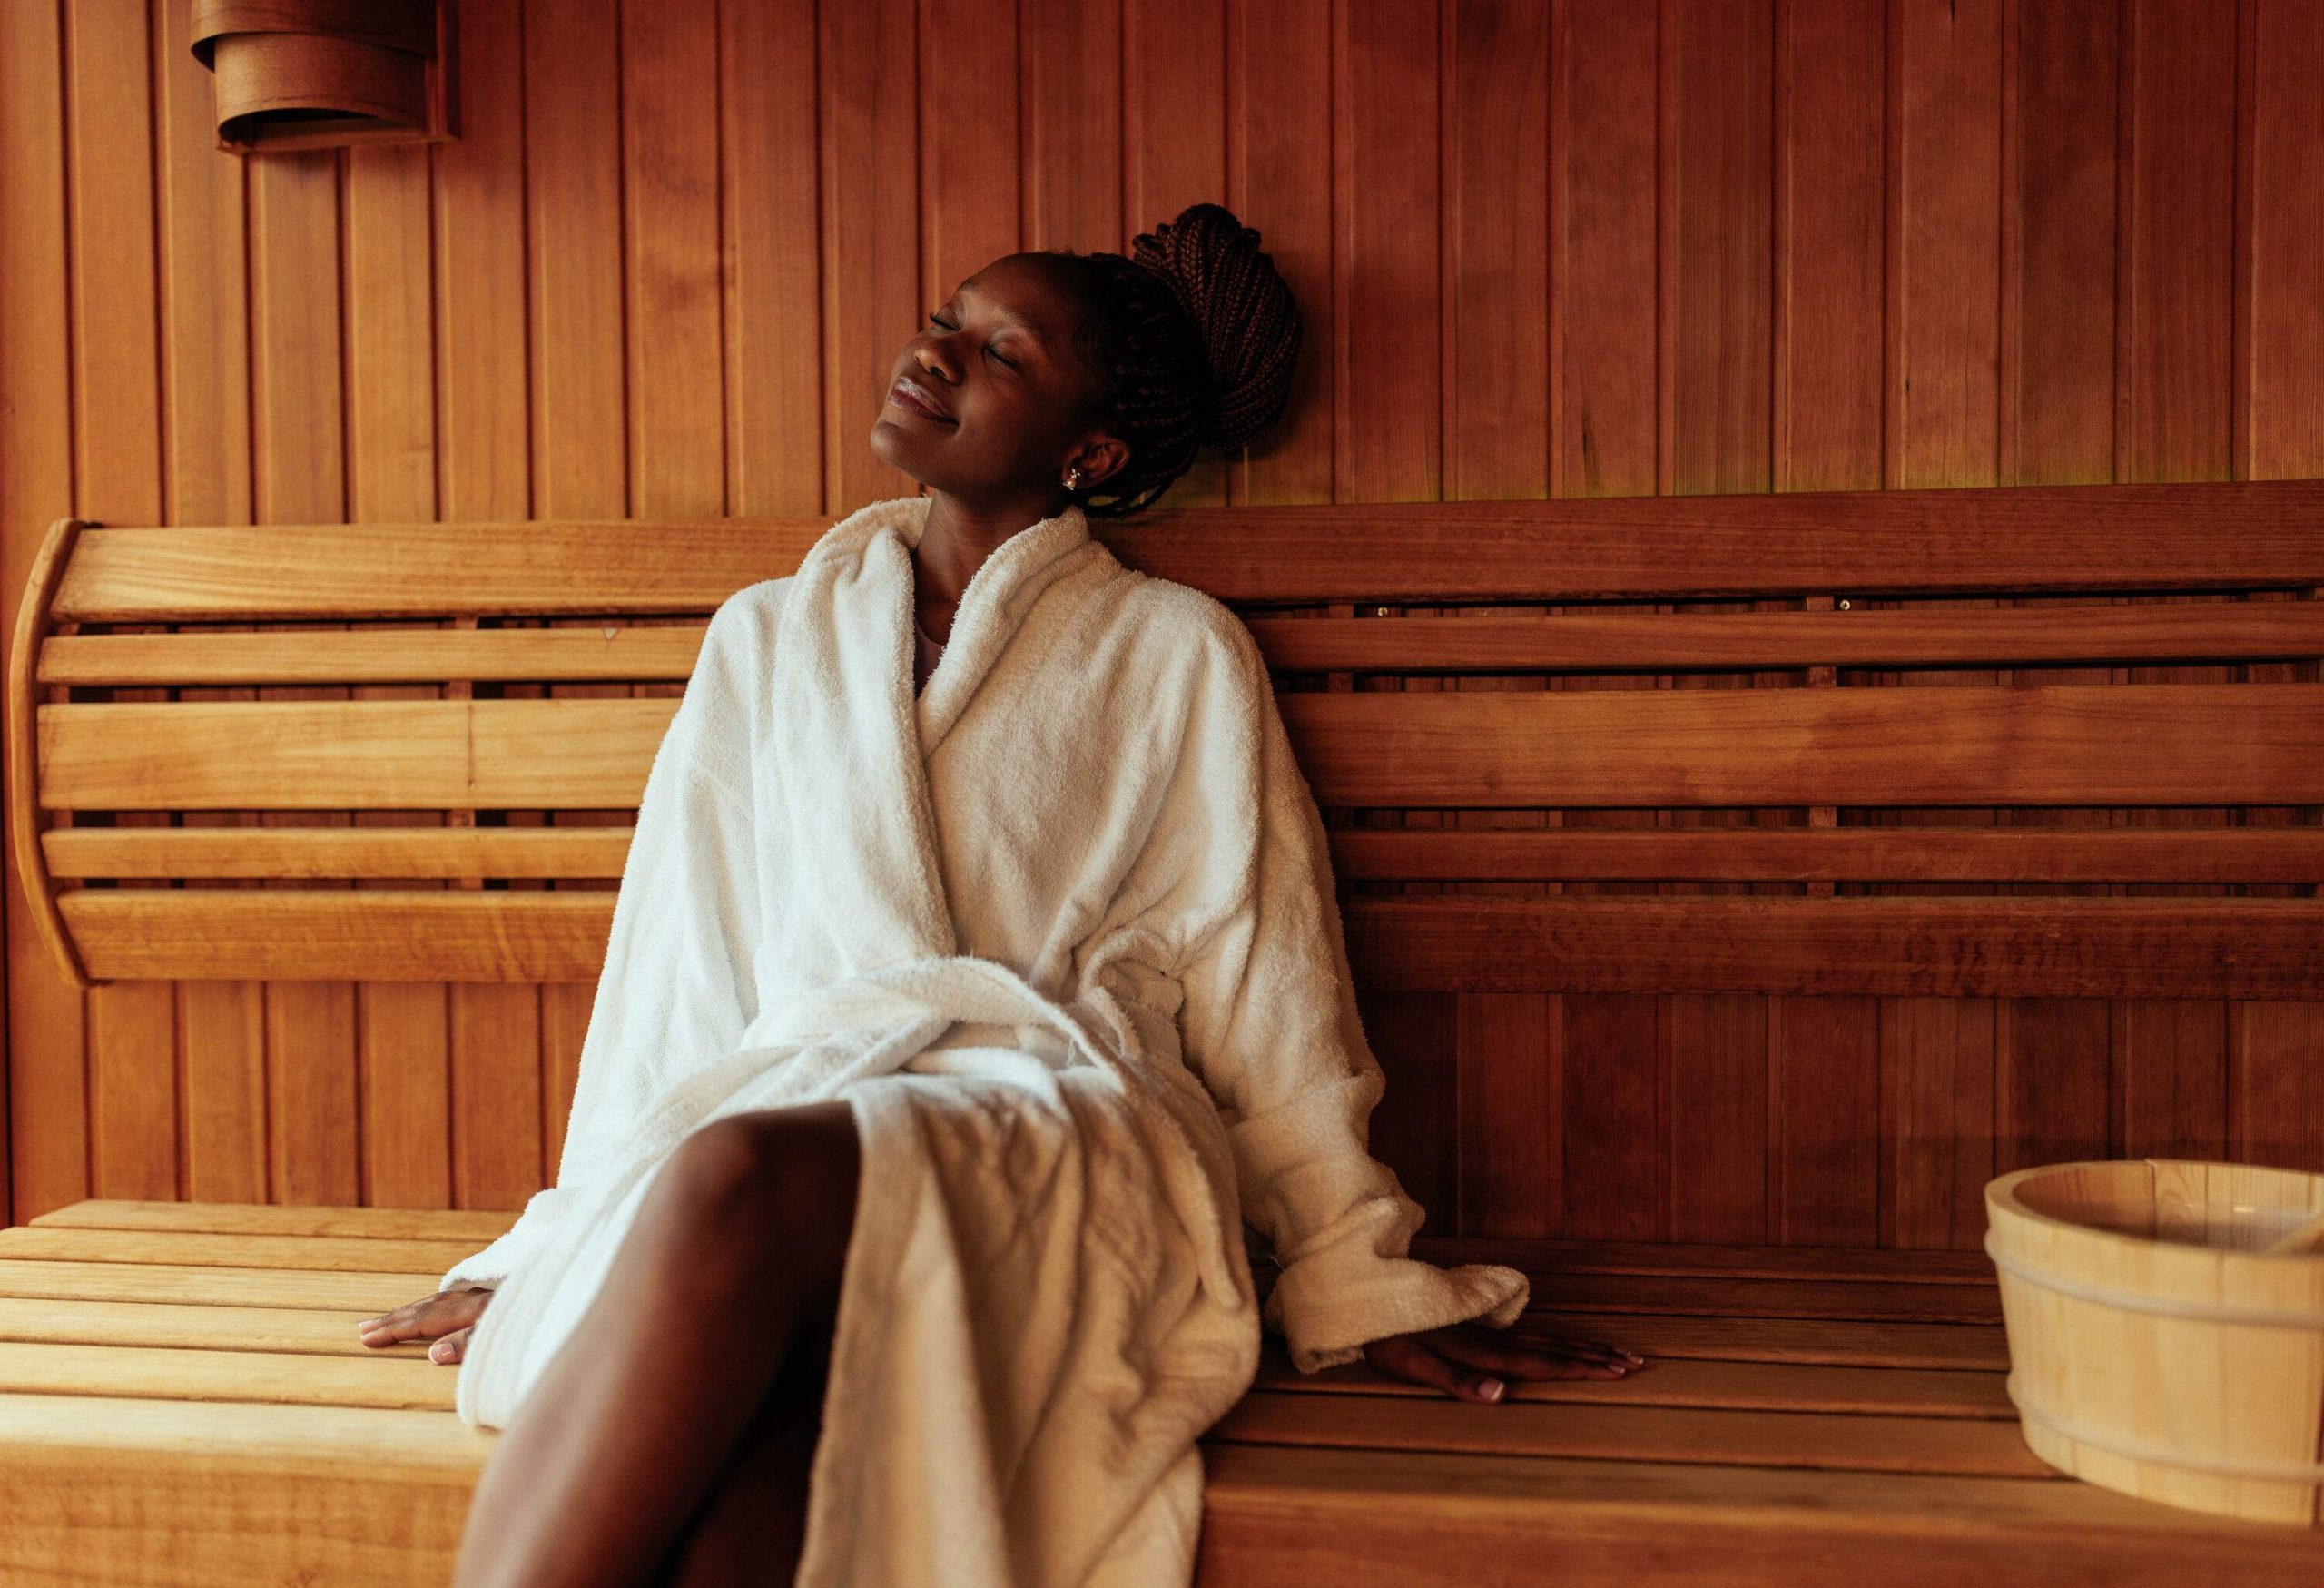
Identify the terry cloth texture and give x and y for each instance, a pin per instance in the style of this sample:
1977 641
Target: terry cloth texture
1061 929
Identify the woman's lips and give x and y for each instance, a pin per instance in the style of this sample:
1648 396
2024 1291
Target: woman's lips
903 395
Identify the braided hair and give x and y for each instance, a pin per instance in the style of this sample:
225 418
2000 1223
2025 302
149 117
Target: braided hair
1194 337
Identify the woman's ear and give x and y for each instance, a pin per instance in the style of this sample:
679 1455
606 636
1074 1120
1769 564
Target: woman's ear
1099 459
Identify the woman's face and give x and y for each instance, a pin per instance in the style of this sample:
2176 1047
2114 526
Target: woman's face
998 364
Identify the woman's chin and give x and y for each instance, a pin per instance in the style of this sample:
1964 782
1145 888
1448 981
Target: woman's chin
893 445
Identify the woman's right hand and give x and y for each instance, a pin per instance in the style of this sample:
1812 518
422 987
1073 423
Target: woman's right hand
447 1318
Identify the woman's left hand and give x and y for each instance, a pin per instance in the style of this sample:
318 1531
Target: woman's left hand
1472 1363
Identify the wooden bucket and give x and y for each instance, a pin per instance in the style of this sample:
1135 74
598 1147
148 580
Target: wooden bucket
2155 1347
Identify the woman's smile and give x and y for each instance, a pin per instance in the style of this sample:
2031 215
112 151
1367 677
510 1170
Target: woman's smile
915 397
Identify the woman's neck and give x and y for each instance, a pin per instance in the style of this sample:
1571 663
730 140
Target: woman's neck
953 544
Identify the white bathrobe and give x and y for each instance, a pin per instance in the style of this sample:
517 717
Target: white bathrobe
1061 928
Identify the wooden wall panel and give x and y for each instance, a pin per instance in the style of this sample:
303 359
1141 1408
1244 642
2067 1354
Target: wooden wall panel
46 1089
1542 247
298 390
206 431
2275 1081
133 1047
1717 193
1605 441
1828 279
485 468
1494 165
1387 352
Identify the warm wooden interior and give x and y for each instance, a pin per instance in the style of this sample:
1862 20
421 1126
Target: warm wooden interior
1674 264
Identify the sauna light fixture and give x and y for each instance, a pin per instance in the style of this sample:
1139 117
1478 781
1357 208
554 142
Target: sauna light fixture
319 73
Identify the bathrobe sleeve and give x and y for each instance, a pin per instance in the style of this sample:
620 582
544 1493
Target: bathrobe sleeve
1268 1022
678 989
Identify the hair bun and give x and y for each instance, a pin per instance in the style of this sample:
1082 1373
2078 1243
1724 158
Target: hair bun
1245 321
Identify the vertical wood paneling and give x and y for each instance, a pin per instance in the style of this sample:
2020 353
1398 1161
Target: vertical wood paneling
1943 333
871 232
1279 179
1604 426
1581 247
2059 116
46 1093
1071 114
1828 277
206 431
392 473
1388 387
2276 1085
485 469
1937 1108
1717 198
1495 175
297 385
1173 149
769 139
133 1049
2175 420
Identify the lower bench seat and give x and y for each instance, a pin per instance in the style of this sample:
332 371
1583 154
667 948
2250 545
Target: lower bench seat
183 1401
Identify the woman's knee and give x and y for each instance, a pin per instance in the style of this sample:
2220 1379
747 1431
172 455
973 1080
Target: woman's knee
788 1175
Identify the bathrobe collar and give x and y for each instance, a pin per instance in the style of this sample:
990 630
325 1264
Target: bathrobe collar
843 705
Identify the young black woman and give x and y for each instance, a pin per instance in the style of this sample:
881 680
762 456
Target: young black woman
674 1436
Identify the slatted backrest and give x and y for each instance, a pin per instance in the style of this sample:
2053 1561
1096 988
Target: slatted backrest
1575 667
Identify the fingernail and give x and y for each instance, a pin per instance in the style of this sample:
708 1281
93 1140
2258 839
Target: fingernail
1491 1389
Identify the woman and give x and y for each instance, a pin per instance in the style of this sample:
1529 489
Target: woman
939 1057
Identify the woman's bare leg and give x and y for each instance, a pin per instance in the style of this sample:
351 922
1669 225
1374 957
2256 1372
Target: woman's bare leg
753 1528
742 1240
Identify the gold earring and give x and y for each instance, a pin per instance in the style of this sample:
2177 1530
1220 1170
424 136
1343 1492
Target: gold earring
1073 478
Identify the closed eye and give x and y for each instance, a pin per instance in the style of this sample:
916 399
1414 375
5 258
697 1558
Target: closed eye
933 320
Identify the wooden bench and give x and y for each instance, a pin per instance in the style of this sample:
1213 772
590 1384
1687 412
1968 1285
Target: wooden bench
180 1395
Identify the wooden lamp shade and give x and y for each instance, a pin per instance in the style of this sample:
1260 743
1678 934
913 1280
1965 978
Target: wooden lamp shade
316 73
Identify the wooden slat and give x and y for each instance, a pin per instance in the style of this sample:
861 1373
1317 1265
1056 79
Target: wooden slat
1301 1516
1681 1259
223 1377
1824 1441
1659 642
111 1489
324 571
2129 745
1840 1342
2221 854
1707 1383
1861 1300
304 1253
386 656
2155 536
420 1224
379 852
359 1294
187 1327
1920 946
451 935
2211 536
344 754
